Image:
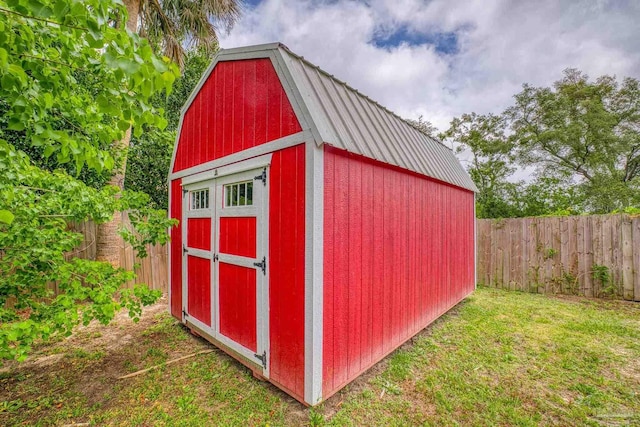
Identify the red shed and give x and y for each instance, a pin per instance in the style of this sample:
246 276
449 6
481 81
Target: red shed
318 230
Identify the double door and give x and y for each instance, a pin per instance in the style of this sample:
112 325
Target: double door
225 263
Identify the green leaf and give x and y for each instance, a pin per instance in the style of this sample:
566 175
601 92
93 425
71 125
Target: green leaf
60 9
123 125
127 65
15 124
3 59
6 216
159 65
39 9
18 73
49 150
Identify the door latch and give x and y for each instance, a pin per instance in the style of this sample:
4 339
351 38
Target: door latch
262 265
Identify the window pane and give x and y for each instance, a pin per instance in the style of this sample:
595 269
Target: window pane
242 194
200 199
234 197
227 191
249 193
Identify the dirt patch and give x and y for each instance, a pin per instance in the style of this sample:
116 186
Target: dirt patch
86 365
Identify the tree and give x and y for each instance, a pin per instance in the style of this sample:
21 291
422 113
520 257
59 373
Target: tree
583 132
167 25
424 126
172 25
483 136
581 139
45 48
150 154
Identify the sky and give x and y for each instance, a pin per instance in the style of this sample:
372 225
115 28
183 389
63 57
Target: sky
443 58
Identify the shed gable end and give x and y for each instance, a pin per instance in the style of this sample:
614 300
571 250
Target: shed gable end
242 104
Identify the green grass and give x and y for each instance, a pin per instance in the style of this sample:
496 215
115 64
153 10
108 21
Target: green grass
499 358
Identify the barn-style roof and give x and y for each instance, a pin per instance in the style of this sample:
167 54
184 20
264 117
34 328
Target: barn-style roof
345 118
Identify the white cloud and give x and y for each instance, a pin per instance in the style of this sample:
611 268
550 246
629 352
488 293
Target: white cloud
502 44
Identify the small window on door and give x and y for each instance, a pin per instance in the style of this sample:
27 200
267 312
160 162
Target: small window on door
200 199
238 194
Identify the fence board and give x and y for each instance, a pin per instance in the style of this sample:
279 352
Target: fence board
558 254
627 259
151 270
588 257
635 236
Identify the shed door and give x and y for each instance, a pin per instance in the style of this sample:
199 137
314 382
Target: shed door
242 265
198 254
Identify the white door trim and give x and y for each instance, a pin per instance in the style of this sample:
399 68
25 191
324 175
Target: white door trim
250 170
188 213
229 169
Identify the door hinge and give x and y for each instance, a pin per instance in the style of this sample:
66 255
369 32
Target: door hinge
262 265
184 313
262 177
215 257
184 249
263 358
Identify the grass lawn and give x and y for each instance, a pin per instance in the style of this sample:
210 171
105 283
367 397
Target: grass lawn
498 358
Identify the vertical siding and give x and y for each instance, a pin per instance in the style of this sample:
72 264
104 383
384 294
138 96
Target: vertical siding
238 236
237 293
286 268
199 288
398 253
242 104
175 249
199 235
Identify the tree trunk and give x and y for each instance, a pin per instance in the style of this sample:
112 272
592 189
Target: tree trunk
108 241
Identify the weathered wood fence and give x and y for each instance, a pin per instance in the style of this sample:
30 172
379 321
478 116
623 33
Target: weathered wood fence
594 256
151 270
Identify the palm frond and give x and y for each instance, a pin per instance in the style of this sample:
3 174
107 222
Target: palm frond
172 25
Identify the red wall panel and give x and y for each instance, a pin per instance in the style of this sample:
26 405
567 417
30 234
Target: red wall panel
199 235
286 268
238 236
242 104
199 288
398 252
237 290
176 249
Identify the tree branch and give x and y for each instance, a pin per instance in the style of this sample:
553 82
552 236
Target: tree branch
13 12
52 61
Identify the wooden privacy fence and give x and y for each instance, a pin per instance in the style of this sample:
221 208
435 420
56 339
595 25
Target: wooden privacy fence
594 256
151 270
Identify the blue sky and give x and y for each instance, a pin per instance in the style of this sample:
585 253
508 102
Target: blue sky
442 42
443 58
